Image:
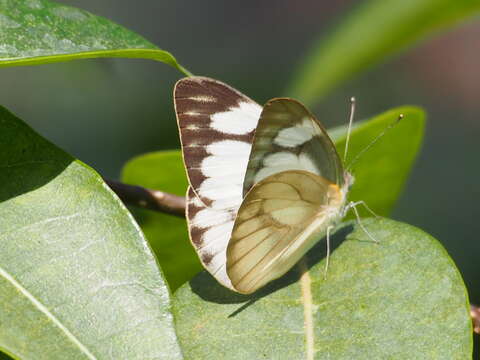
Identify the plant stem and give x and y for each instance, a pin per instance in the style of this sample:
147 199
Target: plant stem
148 199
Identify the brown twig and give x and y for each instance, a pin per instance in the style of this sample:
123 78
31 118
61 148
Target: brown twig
148 199
475 314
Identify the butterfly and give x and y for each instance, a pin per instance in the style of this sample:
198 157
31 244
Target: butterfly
265 183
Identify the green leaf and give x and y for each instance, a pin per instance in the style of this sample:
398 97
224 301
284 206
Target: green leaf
39 32
166 234
77 278
374 31
4 356
380 173
400 299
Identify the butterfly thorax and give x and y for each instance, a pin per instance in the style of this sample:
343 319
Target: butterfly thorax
348 180
332 209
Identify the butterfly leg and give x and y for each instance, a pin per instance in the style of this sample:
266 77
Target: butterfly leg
353 206
361 202
328 251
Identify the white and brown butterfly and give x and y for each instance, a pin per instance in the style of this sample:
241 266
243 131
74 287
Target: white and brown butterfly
265 183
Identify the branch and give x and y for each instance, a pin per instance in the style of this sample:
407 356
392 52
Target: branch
148 199
475 314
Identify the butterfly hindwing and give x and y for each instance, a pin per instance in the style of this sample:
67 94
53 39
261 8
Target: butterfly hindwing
209 231
280 219
289 137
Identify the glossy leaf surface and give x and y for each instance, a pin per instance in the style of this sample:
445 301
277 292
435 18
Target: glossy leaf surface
167 234
77 278
40 31
402 299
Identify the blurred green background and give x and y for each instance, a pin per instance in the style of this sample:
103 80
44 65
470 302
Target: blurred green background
106 111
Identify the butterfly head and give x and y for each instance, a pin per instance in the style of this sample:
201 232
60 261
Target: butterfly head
348 179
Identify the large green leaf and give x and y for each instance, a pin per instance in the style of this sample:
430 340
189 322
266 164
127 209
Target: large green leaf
77 278
375 30
400 299
380 176
39 31
167 234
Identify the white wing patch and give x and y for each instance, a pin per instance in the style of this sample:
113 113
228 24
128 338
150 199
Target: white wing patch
208 218
224 169
203 98
307 163
238 120
283 161
296 135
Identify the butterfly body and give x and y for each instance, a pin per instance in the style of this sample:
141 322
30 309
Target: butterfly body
265 183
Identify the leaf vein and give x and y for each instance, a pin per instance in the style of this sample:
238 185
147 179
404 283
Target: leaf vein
42 308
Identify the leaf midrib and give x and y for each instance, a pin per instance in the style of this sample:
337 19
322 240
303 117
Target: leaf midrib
306 297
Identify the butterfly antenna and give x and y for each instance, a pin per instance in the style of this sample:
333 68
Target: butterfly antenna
374 141
350 122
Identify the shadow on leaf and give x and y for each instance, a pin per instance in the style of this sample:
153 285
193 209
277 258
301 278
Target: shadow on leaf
207 288
27 161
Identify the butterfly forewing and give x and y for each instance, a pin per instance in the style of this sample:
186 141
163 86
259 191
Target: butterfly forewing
289 137
216 124
280 219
